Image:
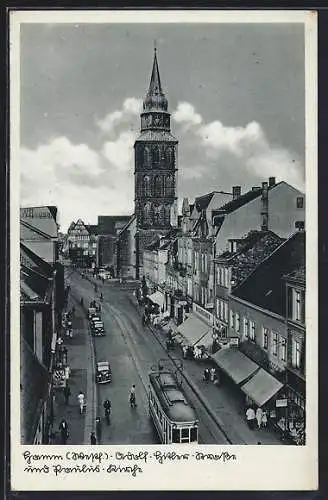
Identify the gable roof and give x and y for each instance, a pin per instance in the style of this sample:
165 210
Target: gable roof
34 379
92 228
265 285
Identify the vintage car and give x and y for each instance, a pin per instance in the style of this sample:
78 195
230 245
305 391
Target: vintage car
91 312
97 329
103 372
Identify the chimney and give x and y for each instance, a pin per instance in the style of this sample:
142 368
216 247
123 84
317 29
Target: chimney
272 181
236 192
265 207
256 188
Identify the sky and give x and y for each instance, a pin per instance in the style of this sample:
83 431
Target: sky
235 92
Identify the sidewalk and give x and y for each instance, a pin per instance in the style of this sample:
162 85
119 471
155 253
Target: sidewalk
222 402
80 357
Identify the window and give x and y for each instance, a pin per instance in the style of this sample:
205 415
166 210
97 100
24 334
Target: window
296 354
300 202
226 312
275 344
265 338
283 349
193 434
218 311
252 330
185 435
237 322
231 319
246 328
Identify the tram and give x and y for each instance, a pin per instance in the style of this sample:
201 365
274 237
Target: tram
173 416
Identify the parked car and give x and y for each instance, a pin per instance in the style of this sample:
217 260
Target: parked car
103 372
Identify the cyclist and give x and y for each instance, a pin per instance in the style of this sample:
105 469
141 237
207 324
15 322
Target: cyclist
107 407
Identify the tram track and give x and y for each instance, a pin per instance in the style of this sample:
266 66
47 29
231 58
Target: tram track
133 335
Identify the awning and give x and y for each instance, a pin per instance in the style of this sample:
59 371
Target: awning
193 329
206 340
235 364
261 387
158 298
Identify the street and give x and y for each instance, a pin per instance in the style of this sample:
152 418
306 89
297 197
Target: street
132 350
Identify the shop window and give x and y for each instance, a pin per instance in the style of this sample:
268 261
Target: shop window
185 435
265 338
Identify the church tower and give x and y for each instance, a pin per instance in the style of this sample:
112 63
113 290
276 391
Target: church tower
155 164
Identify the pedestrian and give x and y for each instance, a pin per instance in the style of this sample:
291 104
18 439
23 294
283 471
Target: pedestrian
93 438
206 375
63 427
259 415
264 419
132 397
67 393
212 374
250 417
184 351
98 429
81 301
216 378
81 398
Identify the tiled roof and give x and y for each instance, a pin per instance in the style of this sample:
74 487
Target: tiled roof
265 285
256 247
34 379
92 228
297 275
156 135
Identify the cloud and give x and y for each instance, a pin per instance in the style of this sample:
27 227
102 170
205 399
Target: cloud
131 106
120 152
244 149
186 115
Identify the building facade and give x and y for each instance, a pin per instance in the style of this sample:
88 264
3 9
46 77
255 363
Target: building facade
82 244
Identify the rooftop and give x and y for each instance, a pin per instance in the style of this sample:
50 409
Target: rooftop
264 287
202 202
109 224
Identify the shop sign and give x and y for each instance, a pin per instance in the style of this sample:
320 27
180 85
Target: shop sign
59 379
281 403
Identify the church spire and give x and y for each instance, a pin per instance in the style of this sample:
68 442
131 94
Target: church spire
155 98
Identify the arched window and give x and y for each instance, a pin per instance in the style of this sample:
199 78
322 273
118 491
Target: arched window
156 155
167 212
158 185
148 216
156 216
169 184
161 215
146 185
169 155
147 157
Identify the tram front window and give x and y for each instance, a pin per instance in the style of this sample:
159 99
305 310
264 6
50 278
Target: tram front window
175 435
185 435
193 434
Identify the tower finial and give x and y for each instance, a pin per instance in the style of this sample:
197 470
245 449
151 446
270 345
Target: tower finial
155 45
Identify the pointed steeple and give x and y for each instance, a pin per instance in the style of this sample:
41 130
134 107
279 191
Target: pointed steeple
155 98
